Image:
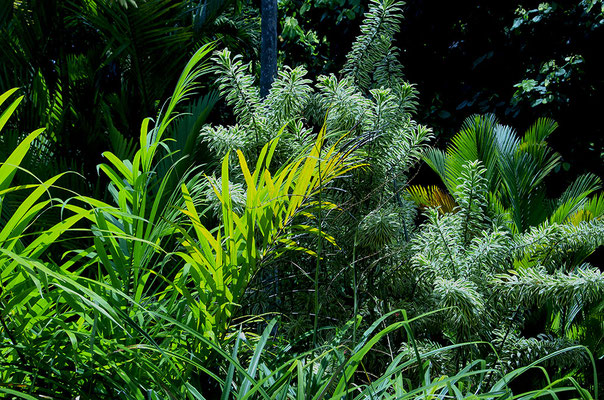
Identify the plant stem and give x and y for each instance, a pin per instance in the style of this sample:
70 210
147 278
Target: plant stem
355 288
505 337
411 339
400 204
13 341
319 250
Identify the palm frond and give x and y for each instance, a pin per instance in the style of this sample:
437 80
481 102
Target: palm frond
431 196
575 197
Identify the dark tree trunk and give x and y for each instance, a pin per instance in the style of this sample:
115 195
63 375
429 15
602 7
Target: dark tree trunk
268 55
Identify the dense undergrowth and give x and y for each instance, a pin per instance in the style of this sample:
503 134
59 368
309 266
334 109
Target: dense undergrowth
299 263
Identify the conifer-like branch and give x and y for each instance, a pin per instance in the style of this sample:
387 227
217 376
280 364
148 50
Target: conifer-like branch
380 25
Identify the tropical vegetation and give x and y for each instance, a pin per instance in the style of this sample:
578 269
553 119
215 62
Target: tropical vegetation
168 230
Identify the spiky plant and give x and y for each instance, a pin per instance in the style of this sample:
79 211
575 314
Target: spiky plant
141 308
371 102
336 371
484 273
373 47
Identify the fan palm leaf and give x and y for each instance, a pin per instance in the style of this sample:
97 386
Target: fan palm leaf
516 169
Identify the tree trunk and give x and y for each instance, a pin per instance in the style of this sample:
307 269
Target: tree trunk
268 52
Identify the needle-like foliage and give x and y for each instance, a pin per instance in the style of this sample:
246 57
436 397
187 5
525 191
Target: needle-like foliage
484 273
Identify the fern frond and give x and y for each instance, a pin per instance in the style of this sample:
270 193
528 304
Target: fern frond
540 131
593 208
543 159
437 161
475 141
521 189
575 197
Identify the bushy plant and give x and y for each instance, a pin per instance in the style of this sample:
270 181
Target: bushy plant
141 309
516 169
493 279
371 102
143 295
265 369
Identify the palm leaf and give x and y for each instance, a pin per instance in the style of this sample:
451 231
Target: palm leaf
575 197
431 196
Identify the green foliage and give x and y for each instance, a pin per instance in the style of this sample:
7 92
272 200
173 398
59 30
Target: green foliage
221 272
17 237
455 255
380 116
307 33
143 293
373 46
485 273
379 228
259 121
328 373
533 285
550 76
516 169
91 72
549 81
560 245
377 119
348 108
289 96
236 81
153 277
